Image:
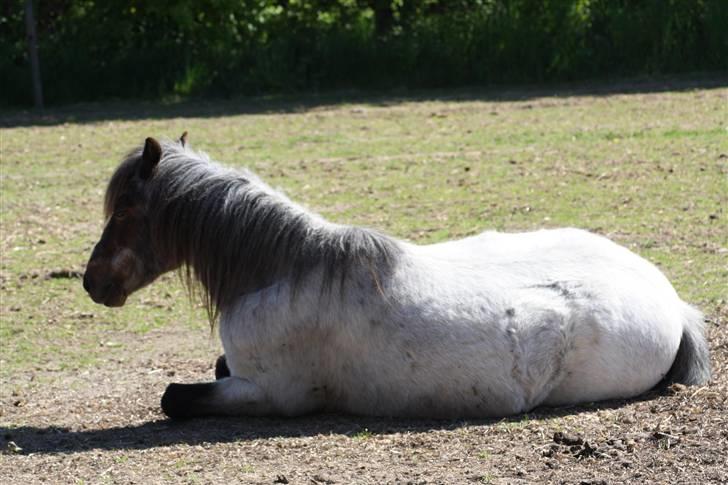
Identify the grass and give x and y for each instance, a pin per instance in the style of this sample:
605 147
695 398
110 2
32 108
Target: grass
511 425
362 435
484 455
650 171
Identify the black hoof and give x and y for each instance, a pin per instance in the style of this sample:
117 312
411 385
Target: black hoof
183 401
221 368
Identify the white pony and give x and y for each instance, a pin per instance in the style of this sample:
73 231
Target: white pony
318 316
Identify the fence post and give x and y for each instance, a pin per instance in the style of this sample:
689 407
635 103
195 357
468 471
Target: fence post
33 54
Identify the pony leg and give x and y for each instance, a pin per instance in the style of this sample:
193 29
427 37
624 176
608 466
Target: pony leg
221 368
229 396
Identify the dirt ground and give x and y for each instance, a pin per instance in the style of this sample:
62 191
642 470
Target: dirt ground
101 422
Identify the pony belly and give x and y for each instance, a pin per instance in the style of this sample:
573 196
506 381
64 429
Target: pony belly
476 399
417 377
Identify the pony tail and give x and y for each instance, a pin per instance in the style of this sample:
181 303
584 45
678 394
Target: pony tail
692 362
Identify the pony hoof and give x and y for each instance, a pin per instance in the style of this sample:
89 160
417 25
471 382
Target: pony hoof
173 404
221 368
184 401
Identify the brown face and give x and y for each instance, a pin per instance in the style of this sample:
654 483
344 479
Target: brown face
123 261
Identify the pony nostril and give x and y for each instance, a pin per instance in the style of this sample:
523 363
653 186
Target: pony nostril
95 288
105 289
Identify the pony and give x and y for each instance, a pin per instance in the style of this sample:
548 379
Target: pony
321 317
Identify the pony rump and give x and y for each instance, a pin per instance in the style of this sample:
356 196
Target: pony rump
232 234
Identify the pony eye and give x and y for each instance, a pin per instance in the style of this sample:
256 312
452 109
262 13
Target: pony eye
120 214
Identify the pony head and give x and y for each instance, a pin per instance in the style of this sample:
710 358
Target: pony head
124 259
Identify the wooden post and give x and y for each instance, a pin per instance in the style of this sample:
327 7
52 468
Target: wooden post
33 54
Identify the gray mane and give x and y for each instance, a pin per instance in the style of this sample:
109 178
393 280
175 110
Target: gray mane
235 235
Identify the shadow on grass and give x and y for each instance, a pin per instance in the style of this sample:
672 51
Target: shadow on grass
154 434
212 108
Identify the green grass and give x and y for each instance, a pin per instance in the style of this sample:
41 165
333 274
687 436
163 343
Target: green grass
363 434
650 171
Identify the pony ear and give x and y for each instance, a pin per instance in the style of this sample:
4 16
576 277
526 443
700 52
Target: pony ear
150 157
183 139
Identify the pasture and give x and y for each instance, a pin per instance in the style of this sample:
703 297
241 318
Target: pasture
80 383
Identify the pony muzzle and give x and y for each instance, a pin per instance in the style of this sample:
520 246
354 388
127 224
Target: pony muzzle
105 293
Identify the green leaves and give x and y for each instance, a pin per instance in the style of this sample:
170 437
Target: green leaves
92 50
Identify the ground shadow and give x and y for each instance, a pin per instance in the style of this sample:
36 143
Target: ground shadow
211 108
161 433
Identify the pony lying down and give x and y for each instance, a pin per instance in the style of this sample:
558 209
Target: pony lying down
316 316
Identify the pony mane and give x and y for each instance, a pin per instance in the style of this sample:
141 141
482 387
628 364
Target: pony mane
234 235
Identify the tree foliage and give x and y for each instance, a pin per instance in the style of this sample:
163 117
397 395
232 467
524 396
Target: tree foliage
92 49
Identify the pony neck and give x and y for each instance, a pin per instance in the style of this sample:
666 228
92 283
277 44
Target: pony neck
235 235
